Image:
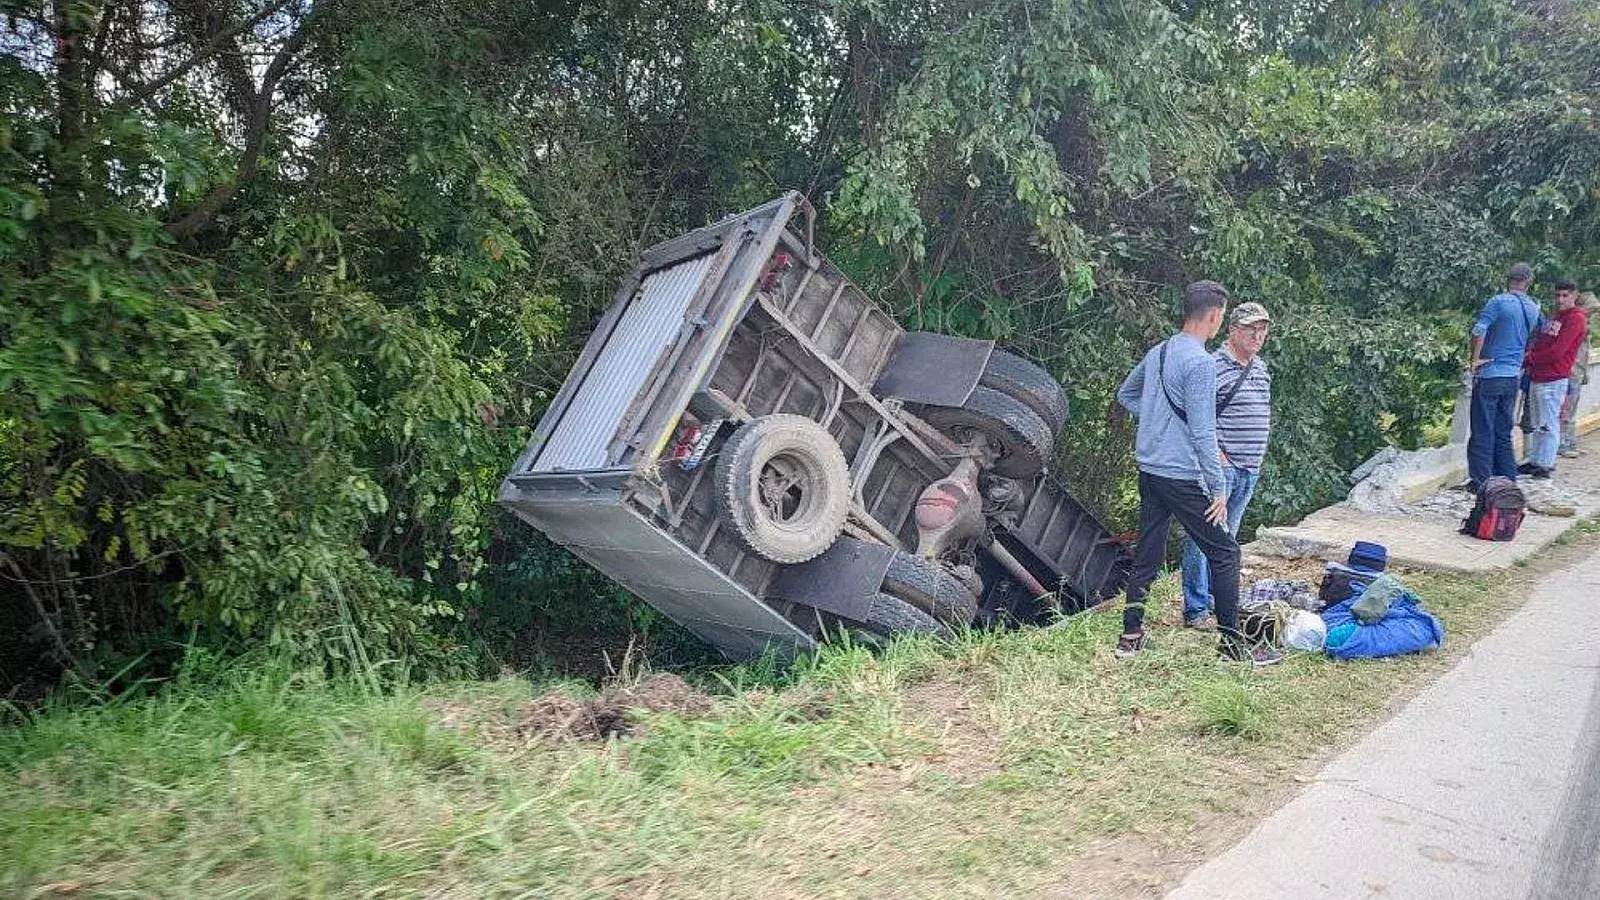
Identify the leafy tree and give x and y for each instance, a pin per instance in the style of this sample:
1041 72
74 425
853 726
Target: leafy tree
283 283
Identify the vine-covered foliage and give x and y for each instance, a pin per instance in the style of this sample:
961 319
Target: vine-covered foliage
284 283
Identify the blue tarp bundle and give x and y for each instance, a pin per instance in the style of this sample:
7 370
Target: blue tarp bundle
1407 628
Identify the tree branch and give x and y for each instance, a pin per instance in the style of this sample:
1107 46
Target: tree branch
44 615
108 17
72 90
255 135
212 46
957 227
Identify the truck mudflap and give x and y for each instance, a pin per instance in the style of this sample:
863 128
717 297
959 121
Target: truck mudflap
934 369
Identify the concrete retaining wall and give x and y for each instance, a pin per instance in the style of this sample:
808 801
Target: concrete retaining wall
1429 470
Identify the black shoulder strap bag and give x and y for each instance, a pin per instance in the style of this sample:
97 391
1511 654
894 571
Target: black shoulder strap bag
1161 369
1161 376
1232 393
1237 384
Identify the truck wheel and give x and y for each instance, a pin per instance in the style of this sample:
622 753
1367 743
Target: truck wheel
783 485
891 616
885 618
1023 439
1021 379
928 586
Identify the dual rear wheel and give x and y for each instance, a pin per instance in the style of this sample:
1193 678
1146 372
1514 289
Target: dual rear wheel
917 596
1017 406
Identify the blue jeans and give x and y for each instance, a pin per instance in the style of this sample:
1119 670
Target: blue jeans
1544 406
1569 423
1240 485
1494 410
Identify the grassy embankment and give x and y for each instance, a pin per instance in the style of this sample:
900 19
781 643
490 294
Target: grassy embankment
1002 765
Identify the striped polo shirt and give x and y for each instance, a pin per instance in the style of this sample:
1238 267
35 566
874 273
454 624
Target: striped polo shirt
1242 428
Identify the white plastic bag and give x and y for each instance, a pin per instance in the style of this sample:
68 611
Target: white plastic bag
1304 631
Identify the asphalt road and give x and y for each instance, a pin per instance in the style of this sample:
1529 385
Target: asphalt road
1485 787
1569 866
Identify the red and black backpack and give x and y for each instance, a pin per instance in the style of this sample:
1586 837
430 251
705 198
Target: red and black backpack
1498 513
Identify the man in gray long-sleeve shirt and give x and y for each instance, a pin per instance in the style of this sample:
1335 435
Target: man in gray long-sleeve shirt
1244 423
1173 392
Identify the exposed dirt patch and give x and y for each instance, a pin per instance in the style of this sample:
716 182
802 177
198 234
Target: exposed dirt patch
559 716
1138 866
966 749
615 710
944 701
1262 568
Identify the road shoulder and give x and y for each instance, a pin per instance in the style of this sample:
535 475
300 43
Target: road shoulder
1456 795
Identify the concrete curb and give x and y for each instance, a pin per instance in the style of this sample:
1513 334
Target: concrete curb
1431 541
1451 468
1412 545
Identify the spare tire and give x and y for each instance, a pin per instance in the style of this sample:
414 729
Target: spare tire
1020 379
930 587
783 486
1022 438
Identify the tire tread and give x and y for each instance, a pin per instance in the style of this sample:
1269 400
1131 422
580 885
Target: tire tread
737 457
1027 440
926 585
1022 379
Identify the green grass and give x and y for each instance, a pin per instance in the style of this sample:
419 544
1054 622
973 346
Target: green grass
1227 707
976 768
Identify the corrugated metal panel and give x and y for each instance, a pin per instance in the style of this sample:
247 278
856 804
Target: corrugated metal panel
649 325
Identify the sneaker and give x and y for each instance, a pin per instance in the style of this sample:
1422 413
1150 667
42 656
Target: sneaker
1263 657
1200 623
1542 474
1570 454
1257 657
1527 468
1129 645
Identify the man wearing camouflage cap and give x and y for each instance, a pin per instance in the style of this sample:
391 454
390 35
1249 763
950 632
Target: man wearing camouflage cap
1173 392
1244 418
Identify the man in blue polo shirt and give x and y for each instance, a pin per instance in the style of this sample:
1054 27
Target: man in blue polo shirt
1499 341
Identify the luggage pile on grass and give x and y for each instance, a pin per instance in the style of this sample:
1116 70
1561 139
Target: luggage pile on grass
1359 611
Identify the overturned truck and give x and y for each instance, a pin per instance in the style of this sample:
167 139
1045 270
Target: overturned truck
752 446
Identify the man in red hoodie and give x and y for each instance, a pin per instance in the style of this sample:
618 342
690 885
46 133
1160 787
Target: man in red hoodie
1549 363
